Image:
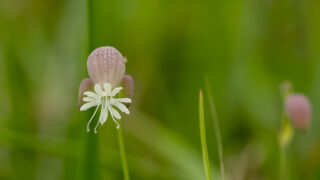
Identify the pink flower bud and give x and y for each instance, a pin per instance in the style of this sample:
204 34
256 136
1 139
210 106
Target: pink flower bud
85 85
299 111
127 84
106 65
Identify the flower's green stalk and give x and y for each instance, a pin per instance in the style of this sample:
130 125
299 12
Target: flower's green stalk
216 126
285 137
123 154
283 165
205 155
286 132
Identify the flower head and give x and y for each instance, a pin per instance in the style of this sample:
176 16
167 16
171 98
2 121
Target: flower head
298 109
106 68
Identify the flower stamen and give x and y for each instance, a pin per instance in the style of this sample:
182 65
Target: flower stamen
88 125
106 98
118 126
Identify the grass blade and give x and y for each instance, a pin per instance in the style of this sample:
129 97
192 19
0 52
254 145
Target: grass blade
216 126
205 155
92 163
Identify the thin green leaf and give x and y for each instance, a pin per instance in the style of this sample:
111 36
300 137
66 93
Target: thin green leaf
205 155
216 126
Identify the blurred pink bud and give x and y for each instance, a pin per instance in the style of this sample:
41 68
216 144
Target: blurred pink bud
299 111
85 85
106 65
127 84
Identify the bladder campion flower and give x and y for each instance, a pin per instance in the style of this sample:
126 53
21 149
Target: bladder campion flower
298 109
106 68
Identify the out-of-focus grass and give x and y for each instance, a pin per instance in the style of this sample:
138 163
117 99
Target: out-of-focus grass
215 121
203 137
246 47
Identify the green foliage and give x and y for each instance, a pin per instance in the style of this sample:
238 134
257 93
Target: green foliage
206 160
247 48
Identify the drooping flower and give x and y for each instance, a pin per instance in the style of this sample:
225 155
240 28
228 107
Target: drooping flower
106 68
298 109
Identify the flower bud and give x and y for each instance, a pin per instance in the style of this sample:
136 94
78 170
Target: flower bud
127 84
298 109
106 65
85 85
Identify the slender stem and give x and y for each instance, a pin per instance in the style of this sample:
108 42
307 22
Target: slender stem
283 163
286 131
205 155
285 137
216 127
123 154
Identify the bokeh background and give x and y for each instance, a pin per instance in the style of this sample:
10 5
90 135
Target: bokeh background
245 47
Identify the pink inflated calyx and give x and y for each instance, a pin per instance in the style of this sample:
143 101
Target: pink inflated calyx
106 65
298 109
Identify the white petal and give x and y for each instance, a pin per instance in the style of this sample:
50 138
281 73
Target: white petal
114 113
115 91
90 94
102 113
107 88
103 118
124 100
98 89
122 107
89 99
88 105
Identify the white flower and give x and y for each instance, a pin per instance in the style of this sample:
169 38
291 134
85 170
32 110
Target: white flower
107 100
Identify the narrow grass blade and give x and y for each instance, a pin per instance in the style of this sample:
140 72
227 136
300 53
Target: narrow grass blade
216 126
205 155
92 163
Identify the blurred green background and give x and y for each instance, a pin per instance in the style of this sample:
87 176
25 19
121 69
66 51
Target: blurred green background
246 47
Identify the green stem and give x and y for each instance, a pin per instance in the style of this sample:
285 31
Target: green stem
123 154
205 155
283 163
286 132
285 137
216 126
